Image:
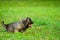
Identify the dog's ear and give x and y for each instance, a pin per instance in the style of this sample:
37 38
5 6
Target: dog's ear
25 21
28 19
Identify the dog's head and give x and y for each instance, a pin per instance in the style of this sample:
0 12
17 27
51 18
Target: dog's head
27 22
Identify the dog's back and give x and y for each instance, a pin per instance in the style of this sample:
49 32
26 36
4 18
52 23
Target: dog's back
16 25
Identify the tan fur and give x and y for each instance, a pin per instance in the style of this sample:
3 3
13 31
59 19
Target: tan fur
20 26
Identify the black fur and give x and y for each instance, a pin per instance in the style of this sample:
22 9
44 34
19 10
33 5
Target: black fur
20 26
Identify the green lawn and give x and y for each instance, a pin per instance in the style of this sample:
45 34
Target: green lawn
46 21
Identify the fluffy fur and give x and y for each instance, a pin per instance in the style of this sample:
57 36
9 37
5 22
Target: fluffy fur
20 26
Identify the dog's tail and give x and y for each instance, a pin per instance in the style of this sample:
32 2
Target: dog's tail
4 25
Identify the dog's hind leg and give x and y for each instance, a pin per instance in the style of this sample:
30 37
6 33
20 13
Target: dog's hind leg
15 30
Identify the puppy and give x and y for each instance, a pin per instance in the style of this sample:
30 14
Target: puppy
19 26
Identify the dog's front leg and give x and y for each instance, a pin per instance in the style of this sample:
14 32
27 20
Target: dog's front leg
23 30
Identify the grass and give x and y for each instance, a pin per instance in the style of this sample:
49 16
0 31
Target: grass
46 21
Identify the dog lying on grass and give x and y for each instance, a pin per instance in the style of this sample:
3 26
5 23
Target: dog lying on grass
20 26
